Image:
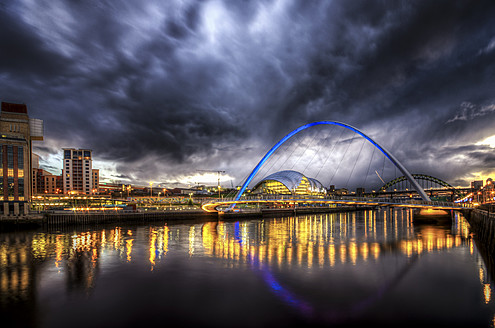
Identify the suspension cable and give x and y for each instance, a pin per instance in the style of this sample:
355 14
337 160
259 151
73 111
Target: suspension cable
330 154
383 168
355 162
278 157
297 137
369 165
304 152
342 158
320 142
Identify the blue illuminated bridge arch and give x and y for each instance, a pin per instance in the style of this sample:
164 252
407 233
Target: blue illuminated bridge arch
394 160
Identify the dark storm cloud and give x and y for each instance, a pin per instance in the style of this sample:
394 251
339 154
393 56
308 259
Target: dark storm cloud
165 88
24 54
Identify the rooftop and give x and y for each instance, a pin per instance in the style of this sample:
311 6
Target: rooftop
14 108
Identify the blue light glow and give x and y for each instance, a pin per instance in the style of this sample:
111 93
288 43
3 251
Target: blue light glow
237 232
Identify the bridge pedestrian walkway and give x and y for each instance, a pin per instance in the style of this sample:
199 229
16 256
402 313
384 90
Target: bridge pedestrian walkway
307 200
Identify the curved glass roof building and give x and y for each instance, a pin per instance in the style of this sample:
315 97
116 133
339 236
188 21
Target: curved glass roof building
289 183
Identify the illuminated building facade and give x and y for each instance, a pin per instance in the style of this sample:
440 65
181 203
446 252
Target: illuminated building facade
45 182
289 183
96 180
52 184
477 185
17 133
77 171
487 194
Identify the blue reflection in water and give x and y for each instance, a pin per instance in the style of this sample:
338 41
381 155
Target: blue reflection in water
237 232
288 297
305 308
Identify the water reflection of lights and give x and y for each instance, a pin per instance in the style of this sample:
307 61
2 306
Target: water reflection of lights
191 240
487 292
329 240
311 242
158 244
128 246
152 248
311 239
59 249
484 281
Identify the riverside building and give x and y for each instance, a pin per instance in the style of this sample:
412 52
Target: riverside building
17 132
289 183
96 181
77 171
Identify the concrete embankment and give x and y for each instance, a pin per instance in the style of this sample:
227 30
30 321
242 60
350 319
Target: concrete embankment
483 227
60 220
54 220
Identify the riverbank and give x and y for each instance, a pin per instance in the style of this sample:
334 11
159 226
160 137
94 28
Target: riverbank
483 226
61 220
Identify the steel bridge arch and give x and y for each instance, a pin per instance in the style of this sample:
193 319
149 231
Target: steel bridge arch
417 177
391 157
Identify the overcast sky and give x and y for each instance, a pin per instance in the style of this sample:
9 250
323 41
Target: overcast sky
162 89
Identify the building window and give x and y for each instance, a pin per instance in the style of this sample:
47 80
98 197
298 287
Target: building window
67 154
10 181
20 157
20 182
10 157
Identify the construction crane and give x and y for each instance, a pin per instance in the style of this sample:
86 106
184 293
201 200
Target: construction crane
218 172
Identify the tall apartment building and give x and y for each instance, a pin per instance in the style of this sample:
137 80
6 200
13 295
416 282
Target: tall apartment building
17 131
77 171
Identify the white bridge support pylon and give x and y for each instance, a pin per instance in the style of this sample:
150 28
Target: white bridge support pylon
391 157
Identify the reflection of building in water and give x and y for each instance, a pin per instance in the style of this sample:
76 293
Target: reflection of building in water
484 261
328 239
18 268
82 261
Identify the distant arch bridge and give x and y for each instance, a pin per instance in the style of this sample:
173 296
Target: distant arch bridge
424 180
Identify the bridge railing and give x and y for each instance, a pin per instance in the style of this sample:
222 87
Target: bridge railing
371 200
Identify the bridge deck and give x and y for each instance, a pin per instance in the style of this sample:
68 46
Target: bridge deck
211 206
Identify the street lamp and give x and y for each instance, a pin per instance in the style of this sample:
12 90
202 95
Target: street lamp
151 188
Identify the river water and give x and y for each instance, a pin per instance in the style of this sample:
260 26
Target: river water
378 268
